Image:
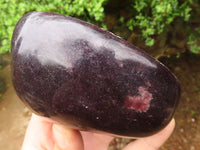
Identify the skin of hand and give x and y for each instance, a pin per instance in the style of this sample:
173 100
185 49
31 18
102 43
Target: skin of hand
44 135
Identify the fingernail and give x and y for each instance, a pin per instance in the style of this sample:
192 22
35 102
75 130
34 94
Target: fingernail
61 136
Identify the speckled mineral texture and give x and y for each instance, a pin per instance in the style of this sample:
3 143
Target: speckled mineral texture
83 76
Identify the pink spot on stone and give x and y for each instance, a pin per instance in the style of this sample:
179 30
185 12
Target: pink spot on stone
141 102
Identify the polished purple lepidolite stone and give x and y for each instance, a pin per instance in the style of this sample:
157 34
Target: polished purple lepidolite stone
81 75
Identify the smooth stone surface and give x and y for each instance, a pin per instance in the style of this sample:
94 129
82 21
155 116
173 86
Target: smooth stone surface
83 76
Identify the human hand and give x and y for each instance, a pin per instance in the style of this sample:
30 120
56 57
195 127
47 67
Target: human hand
44 135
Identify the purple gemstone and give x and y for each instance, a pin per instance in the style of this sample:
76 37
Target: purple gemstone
81 75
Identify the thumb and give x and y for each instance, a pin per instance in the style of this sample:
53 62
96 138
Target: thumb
152 142
67 139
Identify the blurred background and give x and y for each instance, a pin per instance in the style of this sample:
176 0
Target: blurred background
169 30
